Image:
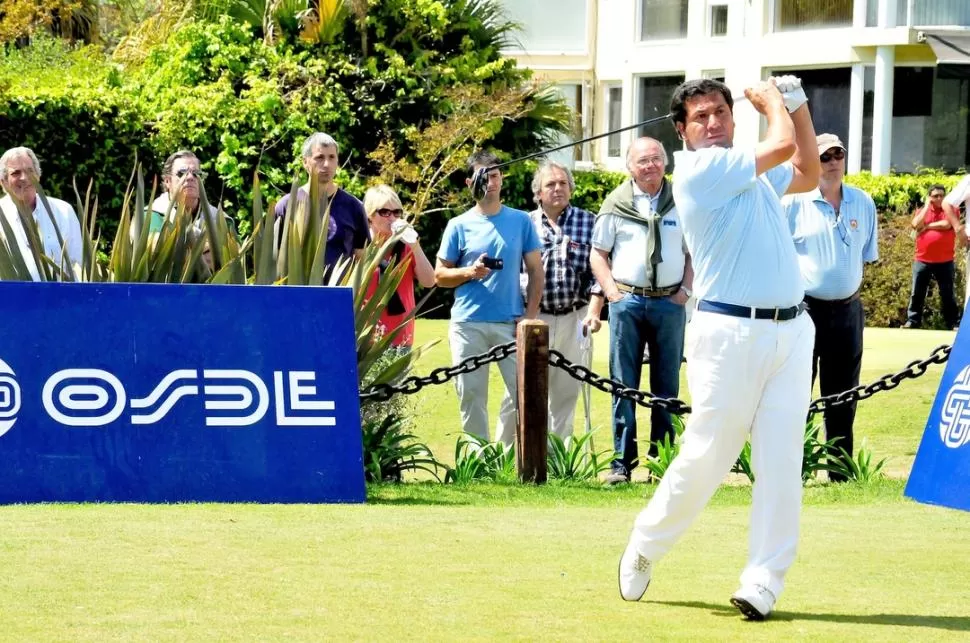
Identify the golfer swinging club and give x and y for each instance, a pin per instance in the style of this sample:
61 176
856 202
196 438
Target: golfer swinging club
749 345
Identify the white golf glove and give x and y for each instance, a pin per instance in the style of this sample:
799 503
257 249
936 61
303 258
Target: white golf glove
402 227
791 90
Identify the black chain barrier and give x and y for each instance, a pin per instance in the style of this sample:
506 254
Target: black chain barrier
413 384
605 384
887 382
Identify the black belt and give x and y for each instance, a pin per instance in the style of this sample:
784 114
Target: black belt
665 291
774 314
820 303
565 310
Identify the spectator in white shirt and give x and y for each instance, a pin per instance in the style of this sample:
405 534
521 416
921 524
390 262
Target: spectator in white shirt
59 230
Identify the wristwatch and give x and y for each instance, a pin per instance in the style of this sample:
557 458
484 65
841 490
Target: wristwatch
690 293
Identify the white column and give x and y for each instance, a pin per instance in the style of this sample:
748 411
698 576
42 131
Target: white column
882 112
856 98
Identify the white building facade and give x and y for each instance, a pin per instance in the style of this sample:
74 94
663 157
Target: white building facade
890 77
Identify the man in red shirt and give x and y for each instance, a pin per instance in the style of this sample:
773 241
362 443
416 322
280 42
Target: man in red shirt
935 226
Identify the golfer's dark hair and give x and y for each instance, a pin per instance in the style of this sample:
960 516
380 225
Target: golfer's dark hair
481 157
936 187
693 89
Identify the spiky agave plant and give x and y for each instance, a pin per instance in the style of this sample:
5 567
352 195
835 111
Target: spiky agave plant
177 254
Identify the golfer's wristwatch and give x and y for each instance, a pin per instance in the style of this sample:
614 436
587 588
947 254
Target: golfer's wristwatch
687 291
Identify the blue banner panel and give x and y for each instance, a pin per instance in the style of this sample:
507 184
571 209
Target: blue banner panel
941 471
166 393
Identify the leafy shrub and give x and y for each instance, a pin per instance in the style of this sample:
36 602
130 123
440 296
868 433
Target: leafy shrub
574 458
666 450
816 455
390 450
859 467
479 459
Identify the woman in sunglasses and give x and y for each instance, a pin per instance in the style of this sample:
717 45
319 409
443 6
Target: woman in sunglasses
385 218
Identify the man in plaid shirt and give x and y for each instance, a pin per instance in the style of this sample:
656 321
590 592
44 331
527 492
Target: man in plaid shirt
565 234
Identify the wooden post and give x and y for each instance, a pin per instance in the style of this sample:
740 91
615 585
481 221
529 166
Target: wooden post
532 372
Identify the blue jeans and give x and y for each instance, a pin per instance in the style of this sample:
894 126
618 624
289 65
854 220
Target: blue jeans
658 323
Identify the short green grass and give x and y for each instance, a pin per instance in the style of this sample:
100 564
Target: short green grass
426 561
892 422
484 562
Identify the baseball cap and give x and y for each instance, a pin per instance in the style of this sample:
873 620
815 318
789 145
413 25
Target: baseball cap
827 142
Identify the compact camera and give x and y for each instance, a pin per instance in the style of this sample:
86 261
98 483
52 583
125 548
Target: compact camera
493 263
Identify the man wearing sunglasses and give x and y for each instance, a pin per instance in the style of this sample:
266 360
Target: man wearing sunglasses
836 233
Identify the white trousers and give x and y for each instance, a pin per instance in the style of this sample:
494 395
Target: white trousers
744 376
473 338
563 389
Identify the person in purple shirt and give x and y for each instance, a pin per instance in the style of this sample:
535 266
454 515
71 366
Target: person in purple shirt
348 229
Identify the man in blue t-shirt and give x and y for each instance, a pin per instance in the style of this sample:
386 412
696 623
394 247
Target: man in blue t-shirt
480 255
348 230
749 345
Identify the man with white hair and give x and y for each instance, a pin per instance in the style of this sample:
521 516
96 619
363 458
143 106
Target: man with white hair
566 237
58 229
642 265
348 229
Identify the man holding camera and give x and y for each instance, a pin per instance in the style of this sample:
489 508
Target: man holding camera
480 255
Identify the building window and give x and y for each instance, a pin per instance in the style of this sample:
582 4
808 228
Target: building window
654 100
614 119
663 19
812 14
572 95
537 33
717 20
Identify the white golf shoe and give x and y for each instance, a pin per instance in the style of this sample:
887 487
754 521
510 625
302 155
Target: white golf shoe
634 574
754 601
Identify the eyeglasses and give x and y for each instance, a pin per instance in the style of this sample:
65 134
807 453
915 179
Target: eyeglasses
199 174
386 212
650 160
837 154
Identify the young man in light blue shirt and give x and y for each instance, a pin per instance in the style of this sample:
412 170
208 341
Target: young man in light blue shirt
488 300
749 347
835 231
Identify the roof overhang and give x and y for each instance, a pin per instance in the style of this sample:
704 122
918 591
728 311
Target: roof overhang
951 46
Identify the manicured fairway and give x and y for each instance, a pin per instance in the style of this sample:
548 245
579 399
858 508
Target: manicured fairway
479 563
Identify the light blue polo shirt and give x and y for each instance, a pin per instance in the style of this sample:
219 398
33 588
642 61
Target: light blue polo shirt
508 235
735 228
833 247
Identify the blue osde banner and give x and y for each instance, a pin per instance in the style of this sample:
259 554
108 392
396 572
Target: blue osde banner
941 471
163 393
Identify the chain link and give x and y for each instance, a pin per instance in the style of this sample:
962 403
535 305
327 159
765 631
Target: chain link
887 382
613 387
413 384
